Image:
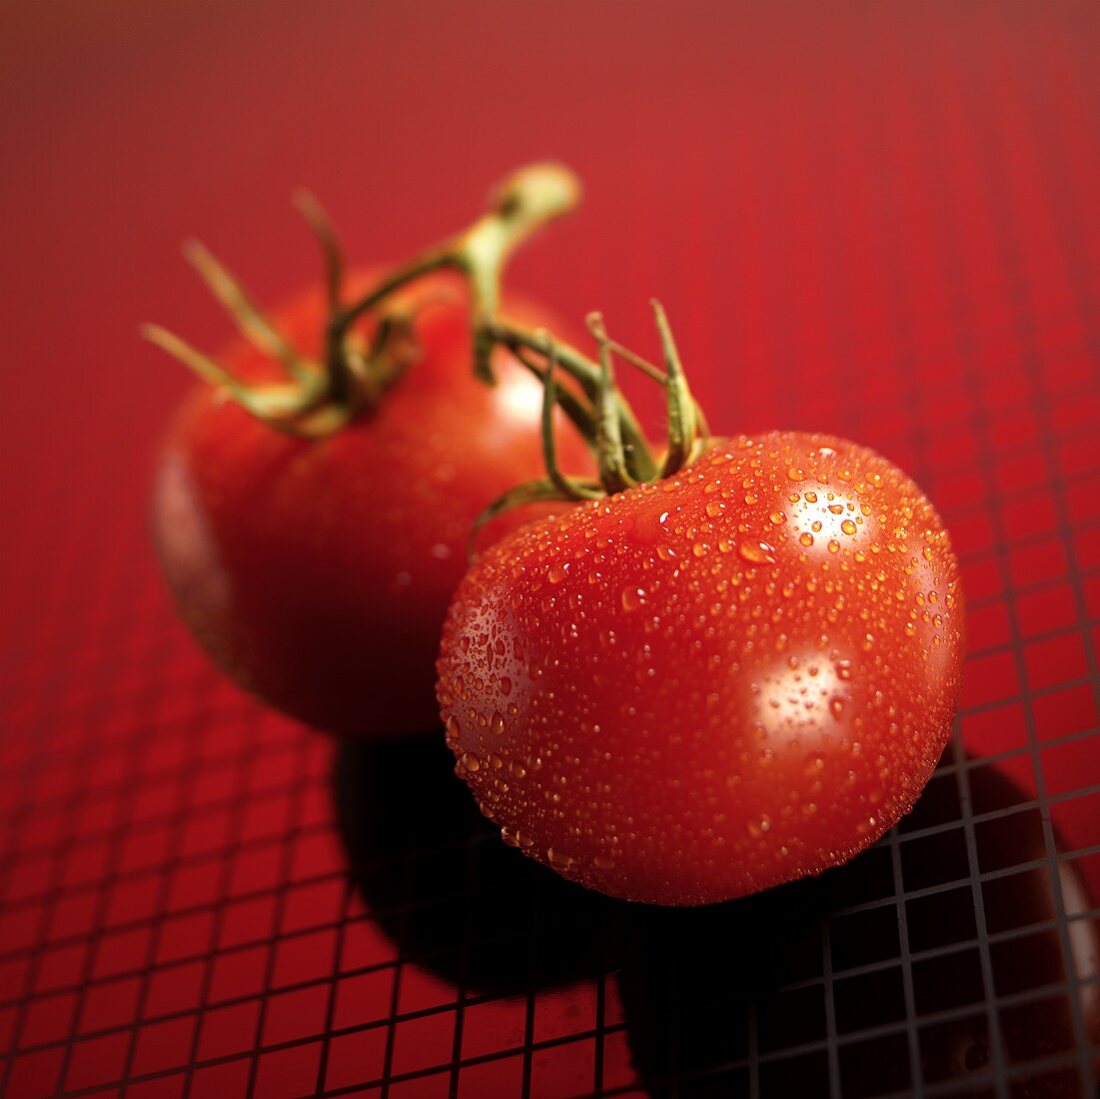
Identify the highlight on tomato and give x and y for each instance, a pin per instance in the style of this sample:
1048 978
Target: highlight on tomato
730 664
313 499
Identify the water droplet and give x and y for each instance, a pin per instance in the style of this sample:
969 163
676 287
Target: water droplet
557 572
810 497
834 546
453 730
758 553
848 526
843 669
836 707
632 598
715 508
497 723
505 686
602 862
796 474
470 761
868 642
778 518
806 538
559 860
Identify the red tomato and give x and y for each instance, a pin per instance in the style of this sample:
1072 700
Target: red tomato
699 688
317 573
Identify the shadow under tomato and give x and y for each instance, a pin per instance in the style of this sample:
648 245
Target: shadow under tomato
440 883
775 975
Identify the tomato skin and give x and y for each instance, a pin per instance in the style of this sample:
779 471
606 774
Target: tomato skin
686 692
317 573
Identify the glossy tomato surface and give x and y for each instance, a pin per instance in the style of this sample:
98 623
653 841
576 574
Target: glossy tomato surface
317 573
701 688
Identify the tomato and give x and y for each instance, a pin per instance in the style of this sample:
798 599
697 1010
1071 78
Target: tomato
316 572
697 688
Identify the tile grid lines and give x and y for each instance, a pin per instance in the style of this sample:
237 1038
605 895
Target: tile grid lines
23 1002
1018 290
921 442
333 981
811 982
1064 205
831 1047
95 935
461 990
905 895
189 774
530 1003
970 381
961 771
398 963
296 797
912 1038
76 803
249 754
769 1057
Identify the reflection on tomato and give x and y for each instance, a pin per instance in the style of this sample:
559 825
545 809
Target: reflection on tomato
700 688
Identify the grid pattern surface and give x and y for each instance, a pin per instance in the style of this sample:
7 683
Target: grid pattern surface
897 235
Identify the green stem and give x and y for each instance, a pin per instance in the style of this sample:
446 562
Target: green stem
527 200
639 458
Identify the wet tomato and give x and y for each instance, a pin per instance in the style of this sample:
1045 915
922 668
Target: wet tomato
316 572
700 687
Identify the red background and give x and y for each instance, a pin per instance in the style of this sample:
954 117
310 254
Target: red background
873 220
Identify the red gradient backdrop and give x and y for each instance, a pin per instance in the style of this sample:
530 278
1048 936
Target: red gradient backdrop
874 220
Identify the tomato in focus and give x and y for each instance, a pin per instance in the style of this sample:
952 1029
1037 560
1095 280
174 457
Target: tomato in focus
699 688
317 572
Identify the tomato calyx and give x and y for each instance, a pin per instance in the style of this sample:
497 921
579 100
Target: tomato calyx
598 410
321 396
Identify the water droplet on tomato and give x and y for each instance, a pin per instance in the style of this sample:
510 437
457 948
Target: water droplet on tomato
758 553
559 860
